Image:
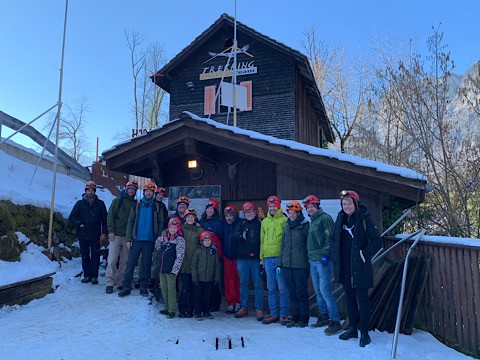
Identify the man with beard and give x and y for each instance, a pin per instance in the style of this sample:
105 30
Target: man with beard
144 225
89 215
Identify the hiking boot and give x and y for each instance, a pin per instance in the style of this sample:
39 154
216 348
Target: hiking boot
208 315
170 315
291 323
259 315
109 290
86 280
95 281
323 320
230 309
269 320
241 313
284 320
164 312
143 292
237 307
333 328
124 292
301 324
349 334
188 315
364 339
198 316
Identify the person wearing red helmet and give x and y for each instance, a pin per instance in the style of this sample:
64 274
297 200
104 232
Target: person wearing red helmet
183 203
117 224
270 246
230 255
205 268
191 232
357 240
89 216
293 262
320 237
210 220
248 234
171 245
144 225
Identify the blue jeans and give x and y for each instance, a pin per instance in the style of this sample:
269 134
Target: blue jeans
275 284
145 248
321 279
245 268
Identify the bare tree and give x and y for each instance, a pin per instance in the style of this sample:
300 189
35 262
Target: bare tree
470 91
344 83
147 97
73 123
416 96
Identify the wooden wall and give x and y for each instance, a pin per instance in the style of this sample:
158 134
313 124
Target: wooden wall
255 178
307 127
450 304
294 183
273 87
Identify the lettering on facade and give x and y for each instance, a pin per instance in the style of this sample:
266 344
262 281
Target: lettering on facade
218 71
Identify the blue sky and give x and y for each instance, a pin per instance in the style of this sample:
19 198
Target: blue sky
97 61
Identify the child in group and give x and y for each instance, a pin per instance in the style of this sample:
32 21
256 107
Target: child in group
205 274
171 247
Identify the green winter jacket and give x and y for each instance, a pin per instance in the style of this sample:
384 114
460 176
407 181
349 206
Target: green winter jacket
271 232
191 233
294 246
320 235
205 265
118 213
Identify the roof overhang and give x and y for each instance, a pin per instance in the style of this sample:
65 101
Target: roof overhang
140 155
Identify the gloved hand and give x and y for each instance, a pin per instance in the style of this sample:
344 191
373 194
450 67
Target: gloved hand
279 271
325 260
196 283
213 249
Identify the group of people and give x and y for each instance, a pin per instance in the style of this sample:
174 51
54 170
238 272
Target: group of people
186 255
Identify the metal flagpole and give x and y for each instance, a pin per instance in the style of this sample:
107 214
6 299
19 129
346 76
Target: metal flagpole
234 75
54 181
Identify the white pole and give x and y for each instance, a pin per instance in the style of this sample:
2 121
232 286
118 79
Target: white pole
234 77
54 180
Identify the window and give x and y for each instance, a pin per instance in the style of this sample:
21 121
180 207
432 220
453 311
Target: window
209 98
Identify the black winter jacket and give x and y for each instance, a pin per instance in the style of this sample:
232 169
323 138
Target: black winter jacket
93 216
230 242
248 246
349 265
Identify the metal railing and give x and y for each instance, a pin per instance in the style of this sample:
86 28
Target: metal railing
402 294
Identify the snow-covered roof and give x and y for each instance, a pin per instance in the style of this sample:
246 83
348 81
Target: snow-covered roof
294 145
333 154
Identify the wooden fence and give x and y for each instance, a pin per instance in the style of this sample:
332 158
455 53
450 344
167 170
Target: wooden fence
450 304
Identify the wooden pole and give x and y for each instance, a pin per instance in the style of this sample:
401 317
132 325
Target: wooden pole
54 180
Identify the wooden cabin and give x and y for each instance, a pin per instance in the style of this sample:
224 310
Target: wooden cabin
248 165
283 99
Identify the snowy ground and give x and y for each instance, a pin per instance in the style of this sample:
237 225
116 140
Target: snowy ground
80 321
